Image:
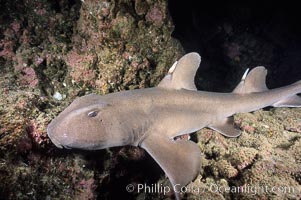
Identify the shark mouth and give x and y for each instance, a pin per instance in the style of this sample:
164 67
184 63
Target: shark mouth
56 143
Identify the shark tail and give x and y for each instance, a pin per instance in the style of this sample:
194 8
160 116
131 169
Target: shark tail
292 101
255 81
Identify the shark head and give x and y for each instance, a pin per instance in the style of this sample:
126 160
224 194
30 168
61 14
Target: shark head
86 124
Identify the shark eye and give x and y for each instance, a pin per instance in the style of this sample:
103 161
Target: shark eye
92 114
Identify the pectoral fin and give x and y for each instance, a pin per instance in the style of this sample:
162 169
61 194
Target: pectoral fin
226 127
180 160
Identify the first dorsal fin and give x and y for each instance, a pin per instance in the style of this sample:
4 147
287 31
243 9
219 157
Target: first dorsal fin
181 74
253 81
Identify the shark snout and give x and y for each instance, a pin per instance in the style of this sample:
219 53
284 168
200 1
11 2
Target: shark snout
51 134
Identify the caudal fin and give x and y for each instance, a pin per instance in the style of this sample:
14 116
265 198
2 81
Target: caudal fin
292 101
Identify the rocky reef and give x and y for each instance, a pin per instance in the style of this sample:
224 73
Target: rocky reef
263 163
54 51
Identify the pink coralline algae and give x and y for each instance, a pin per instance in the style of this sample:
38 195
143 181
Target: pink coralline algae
15 26
154 15
34 131
7 51
38 60
8 43
86 188
29 77
40 12
80 65
248 128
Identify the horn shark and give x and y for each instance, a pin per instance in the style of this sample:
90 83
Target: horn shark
152 118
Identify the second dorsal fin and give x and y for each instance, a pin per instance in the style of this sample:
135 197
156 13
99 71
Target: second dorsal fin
254 81
181 74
